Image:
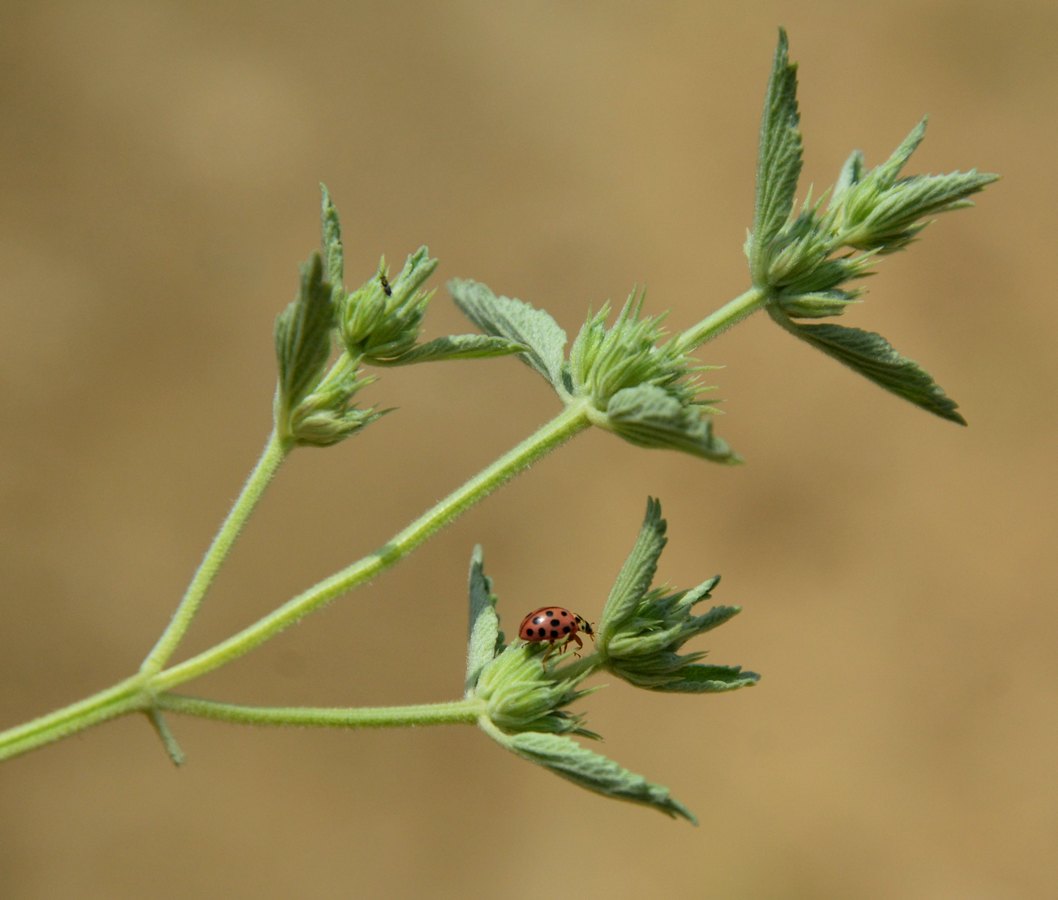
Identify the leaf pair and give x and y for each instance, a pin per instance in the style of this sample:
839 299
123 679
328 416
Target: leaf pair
631 381
639 632
804 262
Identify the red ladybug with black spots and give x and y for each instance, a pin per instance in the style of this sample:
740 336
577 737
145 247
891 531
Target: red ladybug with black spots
552 624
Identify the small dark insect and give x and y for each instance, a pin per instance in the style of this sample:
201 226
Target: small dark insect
384 281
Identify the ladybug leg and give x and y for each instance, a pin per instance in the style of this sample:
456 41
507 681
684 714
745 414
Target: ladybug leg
579 642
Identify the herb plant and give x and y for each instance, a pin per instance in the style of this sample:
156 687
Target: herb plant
624 373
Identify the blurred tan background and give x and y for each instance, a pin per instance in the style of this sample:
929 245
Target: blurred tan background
159 164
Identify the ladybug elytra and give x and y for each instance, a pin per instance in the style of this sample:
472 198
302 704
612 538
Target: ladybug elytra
553 624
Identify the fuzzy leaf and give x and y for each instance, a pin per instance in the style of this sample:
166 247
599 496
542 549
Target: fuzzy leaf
485 638
875 358
650 416
693 679
899 214
517 321
331 228
637 573
593 771
778 161
456 346
303 336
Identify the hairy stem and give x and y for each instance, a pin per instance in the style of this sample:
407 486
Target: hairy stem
272 456
731 313
143 692
124 697
458 712
569 422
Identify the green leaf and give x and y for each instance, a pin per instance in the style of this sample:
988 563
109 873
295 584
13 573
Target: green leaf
517 321
331 227
851 175
875 358
485 639
778 161
887 173
593 771
816 304
693 679
303 336
456 346
637 573
650 416
900 213
880 211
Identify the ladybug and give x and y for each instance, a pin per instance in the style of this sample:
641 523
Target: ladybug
553 624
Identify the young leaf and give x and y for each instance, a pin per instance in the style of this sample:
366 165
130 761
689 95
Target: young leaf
650 416
875 358
778 161
696 679
331 229
456 346
485 638
901 212
637 573
303 336
593 771
518 322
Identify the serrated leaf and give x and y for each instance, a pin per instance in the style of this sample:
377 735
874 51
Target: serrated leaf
303 335
693 679
637 573
517 321
875 358
484 639
779 159
650 416
851 174
331 228
456 346
887 173
593 771
816 304
896 218
716 616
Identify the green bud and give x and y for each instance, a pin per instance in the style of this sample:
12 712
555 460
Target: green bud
380 321
643 628
325 417
883 212
605 360
522 694
641 388
522 704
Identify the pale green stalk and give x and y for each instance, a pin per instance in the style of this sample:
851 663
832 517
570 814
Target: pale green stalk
731 313
142 692
146 691
272 456
564 426
457 712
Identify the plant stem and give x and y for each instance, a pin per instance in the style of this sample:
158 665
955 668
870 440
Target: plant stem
572 420
272 456
144 691
731 313
120 699
458 712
